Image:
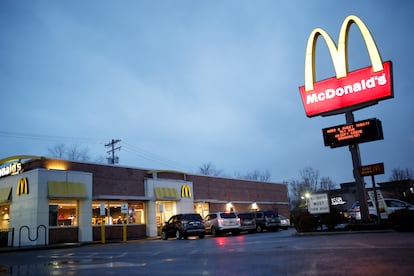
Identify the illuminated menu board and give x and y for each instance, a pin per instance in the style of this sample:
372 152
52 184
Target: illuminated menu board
355 133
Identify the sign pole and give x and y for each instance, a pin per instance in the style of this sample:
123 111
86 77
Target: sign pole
124 230
103 230
124 211
376 199
372 170
102 212
359 180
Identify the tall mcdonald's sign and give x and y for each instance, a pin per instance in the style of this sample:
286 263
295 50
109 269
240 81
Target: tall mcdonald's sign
348 90
185 191
22 186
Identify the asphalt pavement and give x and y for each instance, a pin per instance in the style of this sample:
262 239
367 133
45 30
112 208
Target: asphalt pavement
284 252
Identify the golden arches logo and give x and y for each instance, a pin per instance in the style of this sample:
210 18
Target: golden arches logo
22 186
339 54
186 191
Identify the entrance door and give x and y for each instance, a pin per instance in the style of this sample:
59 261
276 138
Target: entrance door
164 210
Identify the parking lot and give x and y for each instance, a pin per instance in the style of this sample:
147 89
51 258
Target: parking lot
269 253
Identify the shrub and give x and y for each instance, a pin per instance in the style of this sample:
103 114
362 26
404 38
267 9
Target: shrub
304 222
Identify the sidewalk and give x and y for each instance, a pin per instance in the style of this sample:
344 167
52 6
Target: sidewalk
67 245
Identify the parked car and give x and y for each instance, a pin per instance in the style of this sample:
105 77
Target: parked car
284 222
267 220
247 221
222 222
393 205
183 226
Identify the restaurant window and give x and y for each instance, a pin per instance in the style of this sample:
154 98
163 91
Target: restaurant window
4 216
113 214
202 208
63 213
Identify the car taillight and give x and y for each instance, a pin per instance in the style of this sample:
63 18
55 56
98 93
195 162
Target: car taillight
220 221
238 220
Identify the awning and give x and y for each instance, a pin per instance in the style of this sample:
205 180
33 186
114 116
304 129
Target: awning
5 194
58 189
162 193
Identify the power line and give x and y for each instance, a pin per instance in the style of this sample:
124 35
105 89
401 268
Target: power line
43 137
133 149
150 156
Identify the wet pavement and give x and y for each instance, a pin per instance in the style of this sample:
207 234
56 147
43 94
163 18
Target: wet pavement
272 253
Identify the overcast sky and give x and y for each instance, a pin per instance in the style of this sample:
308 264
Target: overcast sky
183 83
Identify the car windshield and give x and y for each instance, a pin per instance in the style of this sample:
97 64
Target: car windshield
228 215
196 217
246 215
270 214
395 203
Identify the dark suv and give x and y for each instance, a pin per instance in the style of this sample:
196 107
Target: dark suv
247 221
267 220
183 226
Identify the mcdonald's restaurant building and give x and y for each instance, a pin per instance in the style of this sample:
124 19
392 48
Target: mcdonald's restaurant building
50 201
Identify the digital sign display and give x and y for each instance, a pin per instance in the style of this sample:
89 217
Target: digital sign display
355 133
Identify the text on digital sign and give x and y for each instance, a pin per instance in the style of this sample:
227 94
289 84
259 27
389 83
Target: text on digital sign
355 133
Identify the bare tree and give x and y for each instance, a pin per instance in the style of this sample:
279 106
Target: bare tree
58 151
296 191
326 184
310 178
401 174
74 153
209 169
309 183
257 175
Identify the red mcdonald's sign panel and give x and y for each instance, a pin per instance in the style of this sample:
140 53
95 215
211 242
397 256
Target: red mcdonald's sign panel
348 89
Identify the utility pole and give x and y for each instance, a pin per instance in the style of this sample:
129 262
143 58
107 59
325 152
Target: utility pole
112 159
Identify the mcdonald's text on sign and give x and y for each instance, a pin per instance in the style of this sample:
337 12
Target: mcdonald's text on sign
348 90
372 169
11 169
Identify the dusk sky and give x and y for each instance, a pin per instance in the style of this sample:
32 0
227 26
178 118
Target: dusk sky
183 83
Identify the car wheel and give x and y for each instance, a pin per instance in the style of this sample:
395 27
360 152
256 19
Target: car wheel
259 229
178 234
164 235
214 231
